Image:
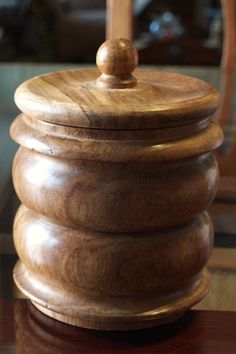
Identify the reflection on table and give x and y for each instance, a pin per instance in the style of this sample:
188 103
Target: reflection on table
26 330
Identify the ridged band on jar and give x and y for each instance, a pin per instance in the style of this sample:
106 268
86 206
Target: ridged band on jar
157 145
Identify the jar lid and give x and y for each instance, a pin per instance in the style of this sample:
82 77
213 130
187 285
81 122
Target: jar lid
110 97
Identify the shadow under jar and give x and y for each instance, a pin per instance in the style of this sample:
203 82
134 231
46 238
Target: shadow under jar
114 173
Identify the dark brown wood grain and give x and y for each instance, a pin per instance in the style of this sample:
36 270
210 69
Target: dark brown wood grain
113 233
26 330
115 100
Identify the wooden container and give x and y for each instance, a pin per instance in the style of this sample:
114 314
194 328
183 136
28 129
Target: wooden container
115 173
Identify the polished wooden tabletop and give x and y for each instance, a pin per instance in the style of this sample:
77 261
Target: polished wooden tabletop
25 330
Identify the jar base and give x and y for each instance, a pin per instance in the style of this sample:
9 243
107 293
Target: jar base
115 321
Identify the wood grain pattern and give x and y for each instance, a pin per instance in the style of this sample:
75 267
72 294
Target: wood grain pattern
112 233
82 98
149 145
52 98
113 184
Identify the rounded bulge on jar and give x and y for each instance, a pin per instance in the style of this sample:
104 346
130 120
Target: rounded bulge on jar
115 197
117 264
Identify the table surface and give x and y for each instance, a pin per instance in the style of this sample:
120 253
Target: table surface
24 330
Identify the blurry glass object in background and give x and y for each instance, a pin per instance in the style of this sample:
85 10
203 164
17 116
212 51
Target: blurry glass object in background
215 21
71 31
167 25
13 19
174 33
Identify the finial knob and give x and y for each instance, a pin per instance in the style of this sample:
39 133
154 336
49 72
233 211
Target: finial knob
117 59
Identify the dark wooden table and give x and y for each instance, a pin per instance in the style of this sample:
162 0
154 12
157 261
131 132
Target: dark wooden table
25 330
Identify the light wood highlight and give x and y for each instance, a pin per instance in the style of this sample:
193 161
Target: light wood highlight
117 60
159 100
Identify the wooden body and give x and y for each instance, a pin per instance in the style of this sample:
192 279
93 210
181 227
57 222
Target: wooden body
112 233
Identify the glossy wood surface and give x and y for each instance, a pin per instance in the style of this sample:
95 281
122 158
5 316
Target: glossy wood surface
26 330
13 74
119 22
113 233
187 100
116 60
114 99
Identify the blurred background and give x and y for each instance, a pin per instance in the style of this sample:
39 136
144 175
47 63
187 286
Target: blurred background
165 31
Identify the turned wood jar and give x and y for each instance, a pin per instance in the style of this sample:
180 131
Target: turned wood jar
115 171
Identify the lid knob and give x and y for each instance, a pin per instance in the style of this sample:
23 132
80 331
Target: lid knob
117 59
